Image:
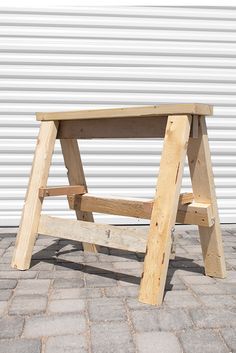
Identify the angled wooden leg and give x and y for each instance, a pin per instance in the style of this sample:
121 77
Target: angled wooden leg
33 203
204 191
164 209
73 163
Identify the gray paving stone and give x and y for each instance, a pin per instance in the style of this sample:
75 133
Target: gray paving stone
66 344
131 279
125 265
231 278
93 280
68 283
161 319
60 274
183 264
28 305
229 335
135 304
5 243
54 325
121 291
16 274
157 342
11 327
228 288
218 300
102 309
5 294
66 305
102 267
5 259
213 318
8 283
41 266
112 337
207 289
32 286
198 280
180 299
199 341
3 307
73 293
118 258
20 346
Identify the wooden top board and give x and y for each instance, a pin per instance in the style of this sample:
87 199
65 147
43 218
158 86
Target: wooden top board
155 110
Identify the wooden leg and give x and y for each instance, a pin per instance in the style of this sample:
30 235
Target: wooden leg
204 191
73 163
33 203
164 209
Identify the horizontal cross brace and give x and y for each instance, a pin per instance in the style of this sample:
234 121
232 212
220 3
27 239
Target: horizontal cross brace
131 127
122 238
62 190
189 212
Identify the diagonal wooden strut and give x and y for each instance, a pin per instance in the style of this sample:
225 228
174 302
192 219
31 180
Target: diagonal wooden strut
204 191
164 209
75 173
33 203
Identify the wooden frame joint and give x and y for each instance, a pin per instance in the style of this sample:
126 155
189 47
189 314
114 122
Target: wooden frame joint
62 190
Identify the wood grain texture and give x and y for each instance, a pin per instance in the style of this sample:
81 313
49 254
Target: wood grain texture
164 209
102 234
75 173
61 190
188 212
155 110
131 127
33 203
204 191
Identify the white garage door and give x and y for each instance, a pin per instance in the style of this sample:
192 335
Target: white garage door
107 57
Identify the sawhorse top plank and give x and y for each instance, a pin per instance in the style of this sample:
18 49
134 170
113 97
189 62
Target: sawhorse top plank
155 110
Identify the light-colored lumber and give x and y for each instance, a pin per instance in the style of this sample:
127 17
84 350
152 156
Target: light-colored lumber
61 190
185 198
131 127
194 128
33 203
138 208
188 212
75 173
164 209
102 234
163 109
204 191
195 213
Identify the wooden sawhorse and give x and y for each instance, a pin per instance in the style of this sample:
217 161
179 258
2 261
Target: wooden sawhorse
184 130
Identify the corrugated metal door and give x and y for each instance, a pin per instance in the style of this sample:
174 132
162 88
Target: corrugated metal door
107 57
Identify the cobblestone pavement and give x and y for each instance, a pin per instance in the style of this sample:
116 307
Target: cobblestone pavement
74 302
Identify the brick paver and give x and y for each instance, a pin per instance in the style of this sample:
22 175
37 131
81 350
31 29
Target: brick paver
70 301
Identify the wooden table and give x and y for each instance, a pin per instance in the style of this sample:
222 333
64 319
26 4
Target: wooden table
184 130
